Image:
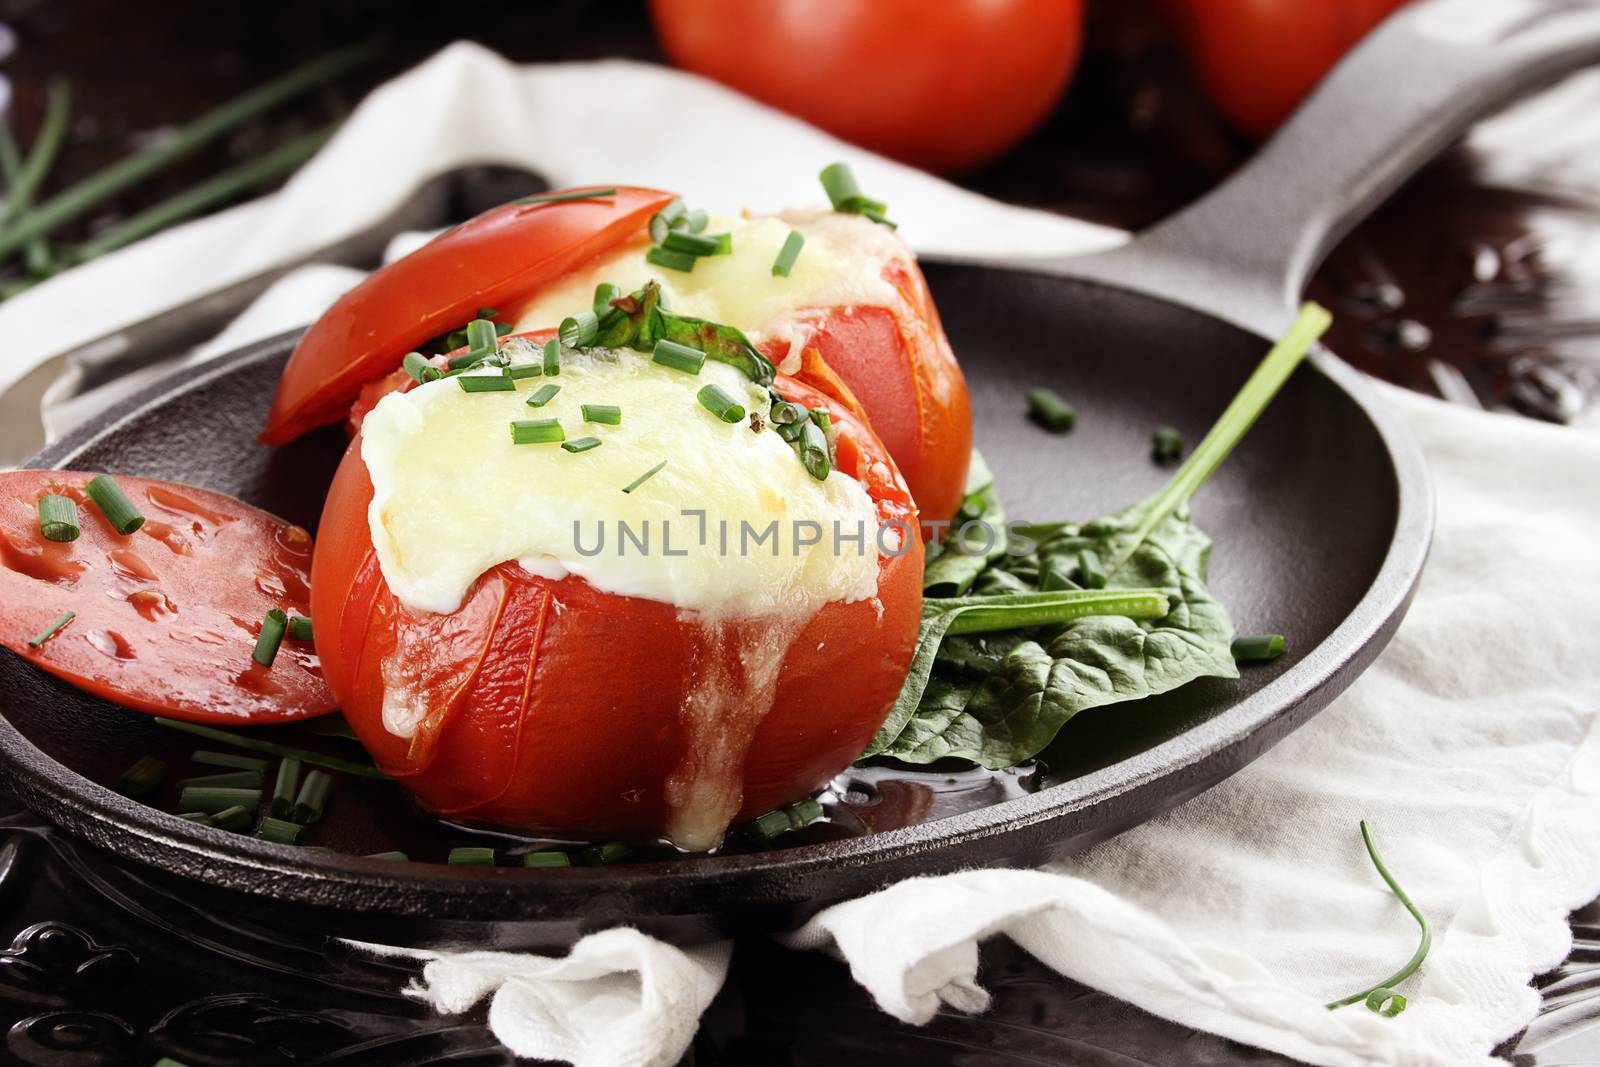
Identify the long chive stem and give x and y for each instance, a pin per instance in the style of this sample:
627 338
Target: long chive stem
23 179
200 198
1235 421
560 198
1386 987
986 614
272 748
75 201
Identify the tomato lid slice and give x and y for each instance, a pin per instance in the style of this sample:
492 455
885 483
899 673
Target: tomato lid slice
166 617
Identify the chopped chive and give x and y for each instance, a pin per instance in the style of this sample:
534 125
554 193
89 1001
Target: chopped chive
233 819
578 331
604 293
486 383
645 477
666 257
58 518
481 337
1047 409
488 313
196 816
875 212
790 431
143 778
396 857
270 638
472 856
1166 444
840 183
772 824
786 413
788 253
536 431
716 400
228 759
558 198
695 244
610 852
552 357
663 221
212 799
543 395
1250 648
279 831
582 444
286 788
546 858
299 628
421 371
814 451
823 420
114 504
678 357
517 372
50 631
695 221
226 780
803 813
271 748
1091 575
312 799
605 414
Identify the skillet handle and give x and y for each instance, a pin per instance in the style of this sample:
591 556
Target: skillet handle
1245 251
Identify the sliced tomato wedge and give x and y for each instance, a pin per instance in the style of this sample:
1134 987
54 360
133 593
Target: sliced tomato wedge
550 705
165 618
493 260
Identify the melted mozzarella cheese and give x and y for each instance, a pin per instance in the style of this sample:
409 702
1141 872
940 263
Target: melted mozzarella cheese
841 265
453 496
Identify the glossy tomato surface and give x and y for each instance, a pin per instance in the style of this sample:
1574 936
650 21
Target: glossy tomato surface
1259 58
555 707
898 366
165 618
941 84
490 261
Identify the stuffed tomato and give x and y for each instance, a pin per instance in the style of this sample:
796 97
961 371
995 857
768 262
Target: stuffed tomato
851 316
651 615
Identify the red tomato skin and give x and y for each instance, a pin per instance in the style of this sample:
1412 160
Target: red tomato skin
554 705
897 363
165 617
944 86
493 260
1259 58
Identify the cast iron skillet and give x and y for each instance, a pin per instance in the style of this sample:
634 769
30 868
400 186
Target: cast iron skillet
1322 520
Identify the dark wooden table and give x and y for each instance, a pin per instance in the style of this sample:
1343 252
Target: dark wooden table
1443 291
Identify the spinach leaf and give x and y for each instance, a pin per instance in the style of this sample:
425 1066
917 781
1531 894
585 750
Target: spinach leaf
999 699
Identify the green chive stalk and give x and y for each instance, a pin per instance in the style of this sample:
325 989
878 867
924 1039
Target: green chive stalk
1381 997
75 201
1019 611
23 179
204 196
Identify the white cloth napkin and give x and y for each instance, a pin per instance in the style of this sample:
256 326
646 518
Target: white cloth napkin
1472 743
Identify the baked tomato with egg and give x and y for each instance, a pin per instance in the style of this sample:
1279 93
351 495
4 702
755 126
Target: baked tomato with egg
853 317
510 679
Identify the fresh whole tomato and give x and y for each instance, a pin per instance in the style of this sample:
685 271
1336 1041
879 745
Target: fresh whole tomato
552 706
944 85
164 619
1259 58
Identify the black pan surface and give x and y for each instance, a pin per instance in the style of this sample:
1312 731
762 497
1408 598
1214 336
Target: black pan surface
1320 519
